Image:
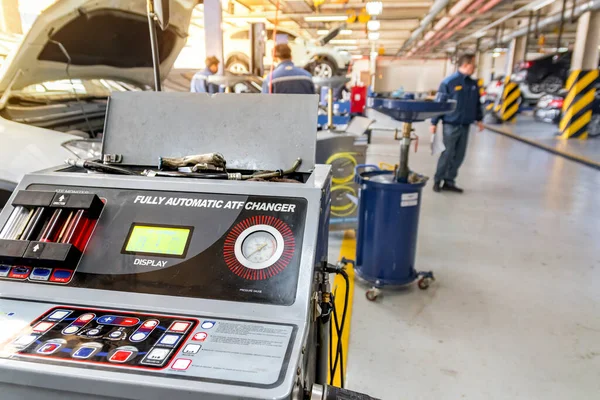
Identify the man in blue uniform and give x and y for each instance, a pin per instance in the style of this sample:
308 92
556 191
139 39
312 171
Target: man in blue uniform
199 83
460 87
287 78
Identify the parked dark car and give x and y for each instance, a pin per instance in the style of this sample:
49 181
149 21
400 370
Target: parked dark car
546 74
549 109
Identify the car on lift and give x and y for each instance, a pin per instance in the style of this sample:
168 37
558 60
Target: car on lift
316 56
54 88
549 109
547 74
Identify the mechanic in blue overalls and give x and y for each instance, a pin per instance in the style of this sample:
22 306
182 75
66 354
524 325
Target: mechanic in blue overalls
287 78
199 83
460 87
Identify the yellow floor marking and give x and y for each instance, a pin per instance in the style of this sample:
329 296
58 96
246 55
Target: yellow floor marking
347 250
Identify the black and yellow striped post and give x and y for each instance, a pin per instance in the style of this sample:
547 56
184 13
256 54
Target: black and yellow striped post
481 88
577 107
511 94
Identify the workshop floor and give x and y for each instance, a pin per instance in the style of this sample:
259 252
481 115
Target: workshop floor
515 310
545 134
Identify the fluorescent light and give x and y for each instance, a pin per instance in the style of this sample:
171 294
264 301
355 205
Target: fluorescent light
357 57
325 18
373 35
495 54
374 7
343 32
541 4
373 25
343 41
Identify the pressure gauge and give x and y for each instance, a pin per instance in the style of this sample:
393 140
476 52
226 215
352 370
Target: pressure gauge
259 247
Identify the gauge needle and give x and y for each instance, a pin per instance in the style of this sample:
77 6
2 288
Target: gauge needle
257 250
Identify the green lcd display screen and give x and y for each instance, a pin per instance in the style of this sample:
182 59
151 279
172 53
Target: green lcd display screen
158 240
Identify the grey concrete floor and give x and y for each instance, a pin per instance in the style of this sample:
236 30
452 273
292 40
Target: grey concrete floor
515 310
545 134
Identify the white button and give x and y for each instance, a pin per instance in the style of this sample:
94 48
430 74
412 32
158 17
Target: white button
115 334
169 339
43 326
208 324
93 332
58 314
86 317
181 364
69 330
191 349
138 336
179 326
25 340
158 354
150 323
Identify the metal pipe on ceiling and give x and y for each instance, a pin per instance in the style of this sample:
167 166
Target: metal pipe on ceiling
435 9
592 5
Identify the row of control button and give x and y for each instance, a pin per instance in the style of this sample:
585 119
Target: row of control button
22 272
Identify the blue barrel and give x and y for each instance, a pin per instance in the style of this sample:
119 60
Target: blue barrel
388 222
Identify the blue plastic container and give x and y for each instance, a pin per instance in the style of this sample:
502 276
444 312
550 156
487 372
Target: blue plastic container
388 223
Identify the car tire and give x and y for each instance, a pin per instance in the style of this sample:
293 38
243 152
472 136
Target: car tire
552 84
594 126
323 68
535 88
238 65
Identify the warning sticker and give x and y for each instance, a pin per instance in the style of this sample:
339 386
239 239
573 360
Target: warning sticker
409 199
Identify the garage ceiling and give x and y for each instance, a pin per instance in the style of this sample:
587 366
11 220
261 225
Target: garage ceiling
400 18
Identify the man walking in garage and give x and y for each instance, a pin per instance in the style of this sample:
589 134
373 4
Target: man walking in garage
199 83
287 78
460 87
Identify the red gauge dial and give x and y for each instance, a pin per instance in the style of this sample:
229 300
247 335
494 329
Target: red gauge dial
259 247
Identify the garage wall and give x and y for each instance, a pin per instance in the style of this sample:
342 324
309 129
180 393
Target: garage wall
412 75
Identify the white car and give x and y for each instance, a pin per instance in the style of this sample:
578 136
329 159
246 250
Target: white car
314 55
49 105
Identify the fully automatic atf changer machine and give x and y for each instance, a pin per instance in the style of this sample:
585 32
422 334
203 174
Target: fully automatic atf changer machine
149 277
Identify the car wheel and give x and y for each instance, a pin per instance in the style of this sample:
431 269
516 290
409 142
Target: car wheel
594 126
535 88
323 68
237 65
552 84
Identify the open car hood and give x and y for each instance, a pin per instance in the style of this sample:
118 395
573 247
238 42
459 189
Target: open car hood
104 39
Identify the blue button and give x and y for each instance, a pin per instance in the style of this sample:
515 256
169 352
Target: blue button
106 319
169 339
61 274
84 352
41 272
4 268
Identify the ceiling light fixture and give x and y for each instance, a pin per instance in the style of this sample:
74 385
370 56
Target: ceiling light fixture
325 18
373 36
374 7
373 25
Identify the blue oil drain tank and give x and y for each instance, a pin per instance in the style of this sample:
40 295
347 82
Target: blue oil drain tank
387 228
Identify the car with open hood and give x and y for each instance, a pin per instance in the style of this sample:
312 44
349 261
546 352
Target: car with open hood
54 88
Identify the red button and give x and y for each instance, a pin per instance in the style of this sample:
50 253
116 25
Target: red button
200 336
120 356
19 272
61 276
129 322
179 326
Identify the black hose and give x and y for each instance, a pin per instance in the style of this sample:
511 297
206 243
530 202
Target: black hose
339 326
96 166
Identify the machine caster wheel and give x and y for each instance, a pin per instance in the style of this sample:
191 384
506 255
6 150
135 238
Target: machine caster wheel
372 294
424 283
